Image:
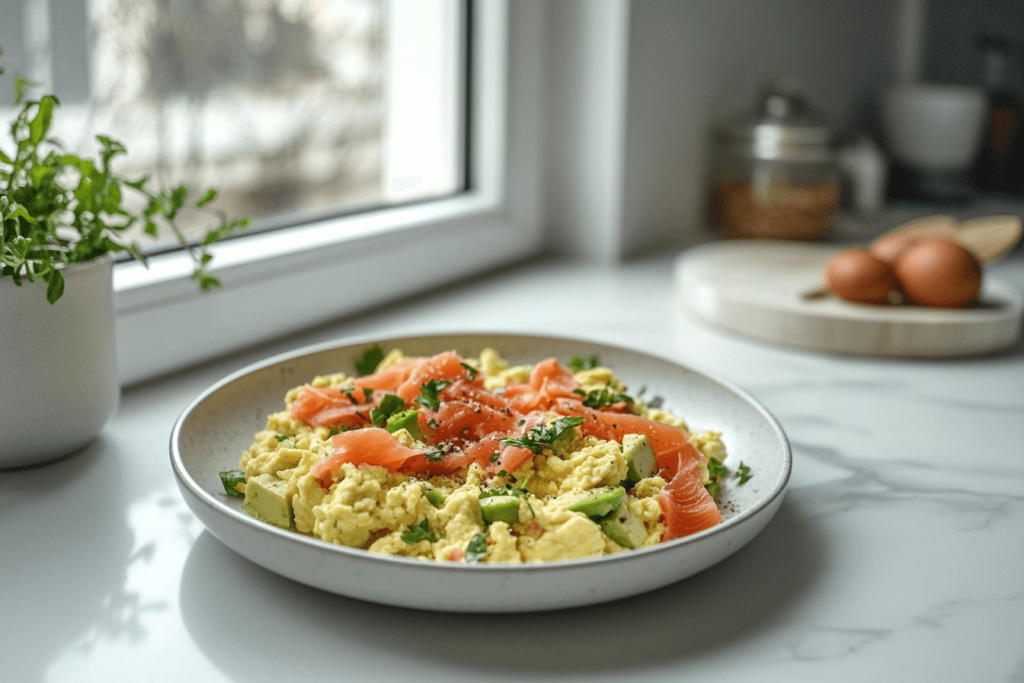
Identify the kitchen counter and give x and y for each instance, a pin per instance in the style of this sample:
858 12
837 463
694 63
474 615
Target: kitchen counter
897 554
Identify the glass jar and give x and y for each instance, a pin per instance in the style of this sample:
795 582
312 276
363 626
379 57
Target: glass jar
775 177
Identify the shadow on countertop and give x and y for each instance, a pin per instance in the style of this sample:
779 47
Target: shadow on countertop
233 608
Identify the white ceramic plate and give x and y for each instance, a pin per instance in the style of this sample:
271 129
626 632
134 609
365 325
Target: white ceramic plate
213 431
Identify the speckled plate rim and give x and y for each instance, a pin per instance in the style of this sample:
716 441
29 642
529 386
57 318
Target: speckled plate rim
185 479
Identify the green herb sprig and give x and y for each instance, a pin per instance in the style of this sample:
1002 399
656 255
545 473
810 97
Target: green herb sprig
419 532
471 372
476 549
542 436
389 405
429 393
58 208
367 363
229 479
605 397
580 363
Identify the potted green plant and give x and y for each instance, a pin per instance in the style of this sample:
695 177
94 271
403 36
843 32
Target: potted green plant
62 218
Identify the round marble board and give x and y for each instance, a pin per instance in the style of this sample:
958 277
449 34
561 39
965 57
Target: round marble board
756 288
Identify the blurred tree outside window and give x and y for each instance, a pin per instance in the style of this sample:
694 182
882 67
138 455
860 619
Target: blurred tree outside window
293 109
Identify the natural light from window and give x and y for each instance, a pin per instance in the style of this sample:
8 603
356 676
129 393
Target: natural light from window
293 109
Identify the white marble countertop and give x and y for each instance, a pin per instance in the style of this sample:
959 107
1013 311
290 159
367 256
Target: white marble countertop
898 553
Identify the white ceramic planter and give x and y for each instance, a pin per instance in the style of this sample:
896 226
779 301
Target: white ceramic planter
58 367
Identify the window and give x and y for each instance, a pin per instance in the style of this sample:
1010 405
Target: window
292 110
355 261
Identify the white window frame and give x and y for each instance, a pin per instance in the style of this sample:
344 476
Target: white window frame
281 281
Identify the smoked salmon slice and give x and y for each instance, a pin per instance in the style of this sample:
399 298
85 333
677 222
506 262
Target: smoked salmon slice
370 446
685 503
330 407
549 382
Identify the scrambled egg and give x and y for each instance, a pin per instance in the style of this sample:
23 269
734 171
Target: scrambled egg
369 507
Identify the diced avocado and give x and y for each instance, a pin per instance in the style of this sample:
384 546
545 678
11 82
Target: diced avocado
599 502
434 497
500 509
640 459
407 420
623 527
266 499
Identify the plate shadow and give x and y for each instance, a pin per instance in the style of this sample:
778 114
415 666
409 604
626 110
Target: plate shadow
732 601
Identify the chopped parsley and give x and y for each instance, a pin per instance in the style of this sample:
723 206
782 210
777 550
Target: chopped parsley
367 394
656 402
389 405
471 372
429 393
602 398
717 469
580 363
434 455
420 532
348 392
338 429
494 457
742 473
367 363
476 550
542 436
229 479
281 437
433 423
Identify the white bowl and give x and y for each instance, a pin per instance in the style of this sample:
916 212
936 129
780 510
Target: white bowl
214 430
934 127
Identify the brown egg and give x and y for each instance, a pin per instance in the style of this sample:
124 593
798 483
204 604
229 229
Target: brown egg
889 247
858 275
938 272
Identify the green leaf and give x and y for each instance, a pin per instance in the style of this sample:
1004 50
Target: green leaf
20 85
367 363
210 195
476 549
205 280
717 469
54 286
434 455
742 473
471 372
41 123
389 405
429 393
602 398
419 532
579 363
543 435
229 479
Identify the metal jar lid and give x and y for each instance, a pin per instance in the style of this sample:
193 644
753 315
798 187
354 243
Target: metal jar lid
783 130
